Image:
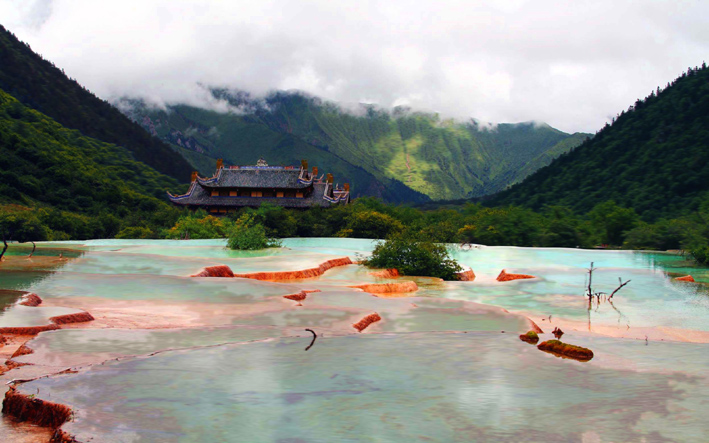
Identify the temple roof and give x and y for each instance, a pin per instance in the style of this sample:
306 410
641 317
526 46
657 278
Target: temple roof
199 196
256 177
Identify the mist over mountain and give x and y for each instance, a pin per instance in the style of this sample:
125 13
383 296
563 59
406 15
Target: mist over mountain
653 158
398 155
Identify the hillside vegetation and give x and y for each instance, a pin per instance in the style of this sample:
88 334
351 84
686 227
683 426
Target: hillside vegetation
40 85
398 156
653 158
79 187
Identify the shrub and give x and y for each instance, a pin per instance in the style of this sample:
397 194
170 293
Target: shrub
246 234
413 257
135 232
701 255
197 225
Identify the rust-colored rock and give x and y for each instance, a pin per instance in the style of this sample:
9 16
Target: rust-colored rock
297 275
30 299
215 271
60 436
79 317
366 321
22 350
300 296
504 276
388 288
386 273
535 327
688 278
34 410
530 337
566 350
467 275
28 330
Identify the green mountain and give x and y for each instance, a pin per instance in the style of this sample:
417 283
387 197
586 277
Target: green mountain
40 85
82 187
398 156
653 158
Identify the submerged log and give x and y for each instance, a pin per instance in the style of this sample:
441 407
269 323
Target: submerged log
688 278
31 299
530 337
366 321
504 276
34 410
79 317
566 350
297 275
388 288
215 271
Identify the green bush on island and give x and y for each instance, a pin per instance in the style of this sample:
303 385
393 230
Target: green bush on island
246 234
413 257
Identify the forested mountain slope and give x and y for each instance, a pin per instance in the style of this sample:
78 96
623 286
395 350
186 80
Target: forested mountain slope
45 165
373 149
40 85
653 158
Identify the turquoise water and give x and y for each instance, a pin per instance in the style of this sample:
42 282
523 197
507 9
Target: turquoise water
402 387
442 365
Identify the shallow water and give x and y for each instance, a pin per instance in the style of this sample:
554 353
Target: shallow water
241 368
445 387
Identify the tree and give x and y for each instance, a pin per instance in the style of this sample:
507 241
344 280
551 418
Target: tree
21 225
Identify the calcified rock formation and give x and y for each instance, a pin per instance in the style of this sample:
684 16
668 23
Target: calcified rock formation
688 278
530 337
215 271
297 275
34 410
386 273
366 321
299 297
504 276
28 330
388 288
467 275
30 299
22 350
566 350
79 317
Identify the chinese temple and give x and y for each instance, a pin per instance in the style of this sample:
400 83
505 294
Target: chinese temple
233 187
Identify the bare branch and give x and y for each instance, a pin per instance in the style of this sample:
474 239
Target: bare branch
620 281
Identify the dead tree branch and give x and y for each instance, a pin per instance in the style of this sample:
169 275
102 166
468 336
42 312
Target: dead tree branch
620 281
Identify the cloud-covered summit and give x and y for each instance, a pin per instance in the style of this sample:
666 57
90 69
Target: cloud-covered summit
570 64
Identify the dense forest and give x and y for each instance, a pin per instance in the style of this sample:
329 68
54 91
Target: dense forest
40 85
77 186
398 155
653 158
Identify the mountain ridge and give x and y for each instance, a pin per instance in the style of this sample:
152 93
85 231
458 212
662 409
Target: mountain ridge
438 158
652 158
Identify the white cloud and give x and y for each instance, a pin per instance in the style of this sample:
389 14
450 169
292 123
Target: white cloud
570 64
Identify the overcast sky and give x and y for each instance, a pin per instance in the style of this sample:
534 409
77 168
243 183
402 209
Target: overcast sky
571 64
